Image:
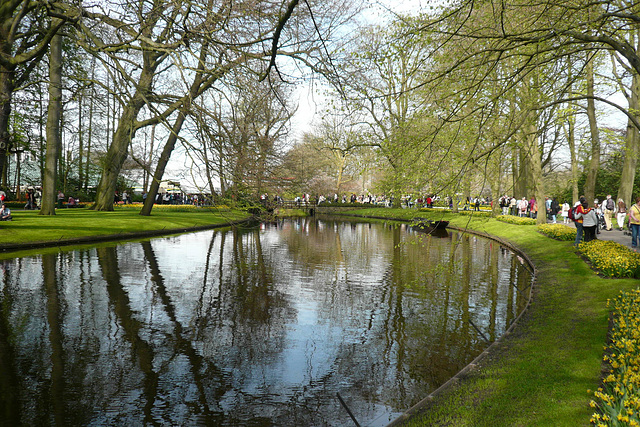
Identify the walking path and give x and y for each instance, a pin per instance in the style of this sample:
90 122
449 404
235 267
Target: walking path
615 235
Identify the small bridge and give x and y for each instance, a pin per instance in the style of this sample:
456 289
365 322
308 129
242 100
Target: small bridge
309 207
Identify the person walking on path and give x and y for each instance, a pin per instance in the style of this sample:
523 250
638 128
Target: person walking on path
554 208
522 207
634 223
589 218
513 205
578 220
565 212
608 210
621 213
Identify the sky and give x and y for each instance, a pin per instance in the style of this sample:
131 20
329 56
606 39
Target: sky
310 98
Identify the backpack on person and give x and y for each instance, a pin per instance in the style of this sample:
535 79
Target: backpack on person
572 214
611 204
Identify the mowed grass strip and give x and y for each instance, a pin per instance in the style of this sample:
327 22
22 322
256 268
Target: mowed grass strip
29 227
541 374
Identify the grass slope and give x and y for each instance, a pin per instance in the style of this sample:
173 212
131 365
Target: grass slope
541 373
29 227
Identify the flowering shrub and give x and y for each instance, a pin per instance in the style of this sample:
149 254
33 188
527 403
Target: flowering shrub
611 258
558 231
617 402
512 219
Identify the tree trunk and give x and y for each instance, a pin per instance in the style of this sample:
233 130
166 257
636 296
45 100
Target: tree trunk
466 186
41 132
594 165
115 157
53 127
6 93
80 139
85 181
147 173
535 166
571 138
124 133
632 149
494 179
162 164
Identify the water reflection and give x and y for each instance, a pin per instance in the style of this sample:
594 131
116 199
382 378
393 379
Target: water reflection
258 326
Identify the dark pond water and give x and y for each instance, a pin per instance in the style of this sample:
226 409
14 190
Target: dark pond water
251 327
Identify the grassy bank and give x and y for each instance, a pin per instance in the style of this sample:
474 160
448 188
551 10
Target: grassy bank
67 224
541 373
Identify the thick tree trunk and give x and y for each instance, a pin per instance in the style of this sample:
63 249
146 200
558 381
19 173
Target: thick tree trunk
53 127
6 94
115 157
534 162
494 179
523 188
80 139
124 133
632 149
571 138
594 165
84 182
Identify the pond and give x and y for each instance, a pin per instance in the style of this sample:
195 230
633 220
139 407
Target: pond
257 326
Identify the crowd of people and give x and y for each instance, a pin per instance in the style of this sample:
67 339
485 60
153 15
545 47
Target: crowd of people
368 199
527 208
590 218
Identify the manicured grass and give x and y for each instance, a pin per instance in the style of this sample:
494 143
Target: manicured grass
540 374
29 227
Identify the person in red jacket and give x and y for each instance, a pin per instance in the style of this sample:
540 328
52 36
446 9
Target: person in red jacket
579 211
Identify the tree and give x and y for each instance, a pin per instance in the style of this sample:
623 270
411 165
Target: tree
53 127
25 34
148 43
378 72
337 146
562 29
594 164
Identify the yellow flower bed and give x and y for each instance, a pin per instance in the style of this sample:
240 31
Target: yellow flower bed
611 258
512 219
558 231
617 402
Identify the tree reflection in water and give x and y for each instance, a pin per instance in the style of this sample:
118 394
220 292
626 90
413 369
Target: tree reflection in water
257 326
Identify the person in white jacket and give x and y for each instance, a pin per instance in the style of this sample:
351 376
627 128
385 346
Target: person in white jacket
589 221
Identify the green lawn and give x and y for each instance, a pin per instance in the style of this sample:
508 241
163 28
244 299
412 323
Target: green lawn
69 224
540 374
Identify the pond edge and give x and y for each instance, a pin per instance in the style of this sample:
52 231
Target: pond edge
425 402
418 407
10 247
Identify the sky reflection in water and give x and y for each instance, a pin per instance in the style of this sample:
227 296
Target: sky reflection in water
259 326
